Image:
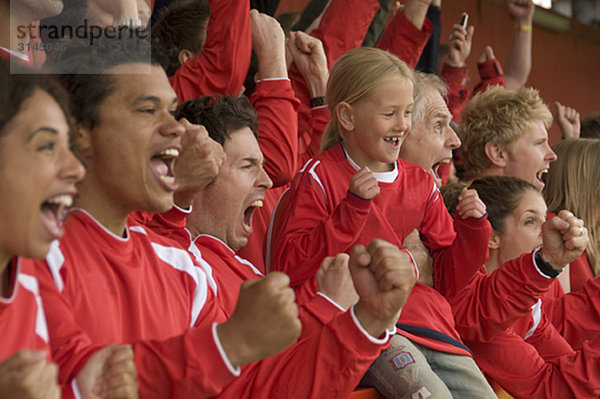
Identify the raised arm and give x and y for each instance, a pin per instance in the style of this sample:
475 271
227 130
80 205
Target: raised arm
518 61
274 101
221 66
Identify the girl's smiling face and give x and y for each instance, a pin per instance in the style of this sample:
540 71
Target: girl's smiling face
374 127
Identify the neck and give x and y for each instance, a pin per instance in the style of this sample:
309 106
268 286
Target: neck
492 170
196 230
373 165
493 263
112 215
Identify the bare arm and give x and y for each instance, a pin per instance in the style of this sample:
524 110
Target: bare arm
518 61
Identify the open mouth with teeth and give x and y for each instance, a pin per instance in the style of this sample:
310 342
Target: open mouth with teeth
393 141
435 168
54 210
162 166
541 176
248 213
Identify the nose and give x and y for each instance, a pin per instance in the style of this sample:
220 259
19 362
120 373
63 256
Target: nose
263 180
71 169
404 123
170 127
550 155
452 141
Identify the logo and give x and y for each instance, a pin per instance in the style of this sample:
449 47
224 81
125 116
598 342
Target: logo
401 360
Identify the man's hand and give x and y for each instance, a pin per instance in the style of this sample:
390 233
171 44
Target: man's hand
383 276
364 184
197 165
564 239
334 280
109 373
459 45
268 43
309 56
568 120
521 11
265 320
420 253
27 375
470 205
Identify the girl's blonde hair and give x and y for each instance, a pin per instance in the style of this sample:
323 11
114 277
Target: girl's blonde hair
355 75
573 183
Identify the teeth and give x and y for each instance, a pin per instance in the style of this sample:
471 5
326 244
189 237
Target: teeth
168 179
541 173
447 160
257 204
169 153
61 200
393 140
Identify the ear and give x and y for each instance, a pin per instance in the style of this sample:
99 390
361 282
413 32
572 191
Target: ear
184 56
82 144
494 242
344 113
496 153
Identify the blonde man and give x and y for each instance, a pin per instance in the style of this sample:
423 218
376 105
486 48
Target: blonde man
505 133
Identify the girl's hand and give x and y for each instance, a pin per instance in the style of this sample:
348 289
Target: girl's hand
364 184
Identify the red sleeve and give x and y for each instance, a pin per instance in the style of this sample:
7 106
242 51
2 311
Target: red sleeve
580 272
456 78
320 117
311 121
344 25
320 310
166 369
451 270
526 373
576 315
327 363
402 38
491 74
491 303
468 252
277 106
169 224
222 65
190 365
311 229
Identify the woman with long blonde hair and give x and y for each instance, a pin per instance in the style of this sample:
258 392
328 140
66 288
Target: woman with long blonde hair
573 183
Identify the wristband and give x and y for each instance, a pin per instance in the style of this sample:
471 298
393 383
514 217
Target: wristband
526 28
317 102
544 266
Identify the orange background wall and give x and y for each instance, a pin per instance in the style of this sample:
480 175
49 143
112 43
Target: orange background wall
565 66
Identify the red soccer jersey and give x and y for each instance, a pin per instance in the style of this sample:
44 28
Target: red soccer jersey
491 303
322 219
22 316
332 354
99 288
531 360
